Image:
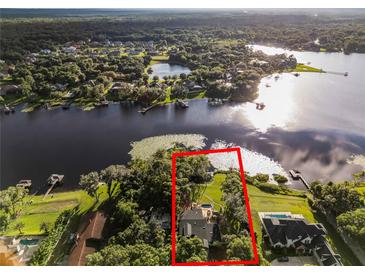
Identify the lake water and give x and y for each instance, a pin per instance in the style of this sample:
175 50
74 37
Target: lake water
312 123
166 69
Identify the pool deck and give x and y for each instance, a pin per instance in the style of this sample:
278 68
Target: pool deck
280 215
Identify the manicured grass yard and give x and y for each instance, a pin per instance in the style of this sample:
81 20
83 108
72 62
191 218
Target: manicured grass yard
305 68
262 201
47 210
213 193
266 202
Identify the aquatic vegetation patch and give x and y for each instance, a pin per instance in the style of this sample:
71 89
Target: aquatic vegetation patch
146 147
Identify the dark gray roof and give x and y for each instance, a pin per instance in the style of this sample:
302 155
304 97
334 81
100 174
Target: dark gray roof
192 223
192 214
325 252
280 230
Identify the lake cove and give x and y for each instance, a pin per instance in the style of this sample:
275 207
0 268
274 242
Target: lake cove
313 123
166 69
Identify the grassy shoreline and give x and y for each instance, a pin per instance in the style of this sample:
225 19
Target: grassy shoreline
39 209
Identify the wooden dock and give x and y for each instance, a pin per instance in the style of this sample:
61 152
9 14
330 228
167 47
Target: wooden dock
24 183
53 180
296 175
144 110
338 73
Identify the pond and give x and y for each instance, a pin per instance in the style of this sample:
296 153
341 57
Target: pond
314 123
167 69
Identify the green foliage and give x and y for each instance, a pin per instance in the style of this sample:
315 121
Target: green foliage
336 198
19 226
90 183
239 248
280 178
235 215
353 224
45 226
12 200
129 255
139 232
48 245
190 250
125 213
4 222
262 178
111 174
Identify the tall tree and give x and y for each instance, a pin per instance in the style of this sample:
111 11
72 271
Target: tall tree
90 183
239 248
112 176
190 250
129 255
353 224
12 200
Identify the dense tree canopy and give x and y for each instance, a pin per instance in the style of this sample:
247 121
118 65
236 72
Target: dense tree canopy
129 255
190 250
336 198
353 224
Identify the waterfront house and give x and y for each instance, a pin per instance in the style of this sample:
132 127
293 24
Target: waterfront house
200 221
10 89
285 230
324 253
70 50
45 51
89 237
115 52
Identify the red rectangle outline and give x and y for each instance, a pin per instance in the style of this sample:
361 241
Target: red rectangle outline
255 261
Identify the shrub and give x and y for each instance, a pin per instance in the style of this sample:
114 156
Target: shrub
48 245
280 178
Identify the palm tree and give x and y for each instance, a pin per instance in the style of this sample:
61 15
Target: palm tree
19 226
45 226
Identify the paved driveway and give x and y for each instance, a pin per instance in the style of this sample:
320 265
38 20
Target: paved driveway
299 260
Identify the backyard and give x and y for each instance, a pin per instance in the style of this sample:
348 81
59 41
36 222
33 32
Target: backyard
39 210
213 193
263 201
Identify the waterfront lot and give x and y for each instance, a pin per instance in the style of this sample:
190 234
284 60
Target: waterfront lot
39 210
213 193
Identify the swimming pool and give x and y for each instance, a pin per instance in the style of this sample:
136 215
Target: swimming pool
279 216
29 241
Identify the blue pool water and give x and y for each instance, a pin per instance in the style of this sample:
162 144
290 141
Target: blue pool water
281 216
29 241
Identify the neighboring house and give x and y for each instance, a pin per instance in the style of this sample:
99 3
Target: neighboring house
258 63
324 253
45 51
200 221
115 52
89 237
69 49
163 219
10 89
287 230
60 87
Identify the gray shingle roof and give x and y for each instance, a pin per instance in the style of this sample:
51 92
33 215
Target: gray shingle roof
280 230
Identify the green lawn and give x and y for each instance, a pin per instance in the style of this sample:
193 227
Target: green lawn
160 58
196 95
266 202
262 201
305 68
213 193
47 210
227 42
361 190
